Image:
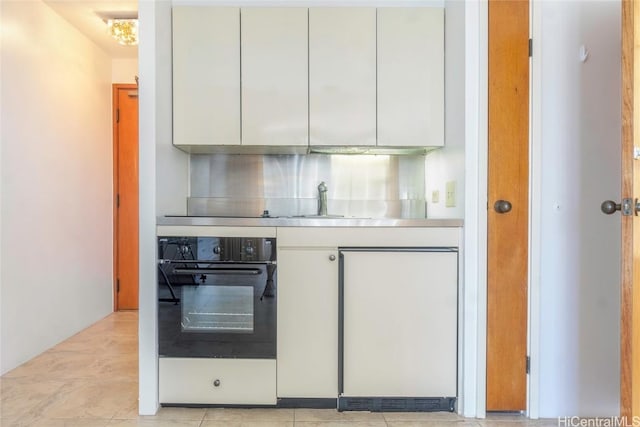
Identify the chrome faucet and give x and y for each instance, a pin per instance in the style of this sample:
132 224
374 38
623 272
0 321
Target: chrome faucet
322 199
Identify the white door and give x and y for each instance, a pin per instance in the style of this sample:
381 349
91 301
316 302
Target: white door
575 292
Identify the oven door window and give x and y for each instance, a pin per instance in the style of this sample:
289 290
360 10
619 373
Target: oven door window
218 309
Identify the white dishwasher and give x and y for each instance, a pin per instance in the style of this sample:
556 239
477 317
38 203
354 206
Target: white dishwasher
398 329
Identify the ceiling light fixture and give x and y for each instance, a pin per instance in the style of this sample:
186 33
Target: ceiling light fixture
125 31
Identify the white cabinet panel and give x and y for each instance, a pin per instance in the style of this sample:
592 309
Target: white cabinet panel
307 323
400 323
206 75
239 381
274 76
410 76
369 236
342 76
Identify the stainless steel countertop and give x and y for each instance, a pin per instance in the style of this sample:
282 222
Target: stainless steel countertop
308 222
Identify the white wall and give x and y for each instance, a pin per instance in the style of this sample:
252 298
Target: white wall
172 176
447 164
124 70
163 180
56 191
579 166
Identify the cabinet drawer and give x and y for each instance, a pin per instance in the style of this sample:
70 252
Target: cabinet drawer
241 381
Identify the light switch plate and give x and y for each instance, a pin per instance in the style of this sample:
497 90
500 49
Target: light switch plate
435 196
451 194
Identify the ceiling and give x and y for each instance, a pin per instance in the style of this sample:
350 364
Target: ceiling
88 17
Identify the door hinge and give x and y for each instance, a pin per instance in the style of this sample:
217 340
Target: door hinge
636 153
117 115
528 364
530 48
117 285
117 200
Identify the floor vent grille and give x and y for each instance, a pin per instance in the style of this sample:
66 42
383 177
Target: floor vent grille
397 404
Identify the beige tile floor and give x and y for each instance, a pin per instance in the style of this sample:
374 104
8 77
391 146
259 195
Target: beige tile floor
91 380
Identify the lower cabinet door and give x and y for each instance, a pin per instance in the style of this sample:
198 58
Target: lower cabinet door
400 323
307 323
217 381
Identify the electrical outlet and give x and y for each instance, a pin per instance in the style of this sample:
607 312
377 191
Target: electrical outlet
435 196
451 194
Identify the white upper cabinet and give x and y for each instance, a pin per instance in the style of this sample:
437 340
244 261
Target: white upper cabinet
259 77
275 76
206 75
410 76
342 76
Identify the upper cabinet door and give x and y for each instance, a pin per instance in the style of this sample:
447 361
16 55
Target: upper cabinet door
342 76
410 76
206 75
275 76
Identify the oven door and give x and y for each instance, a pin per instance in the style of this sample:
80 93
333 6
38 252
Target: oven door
218 311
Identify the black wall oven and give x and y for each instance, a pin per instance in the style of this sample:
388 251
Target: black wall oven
217 297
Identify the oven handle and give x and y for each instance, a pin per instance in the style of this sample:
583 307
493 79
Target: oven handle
223 270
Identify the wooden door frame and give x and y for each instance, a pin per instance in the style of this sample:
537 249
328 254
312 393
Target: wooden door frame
630 266
116 147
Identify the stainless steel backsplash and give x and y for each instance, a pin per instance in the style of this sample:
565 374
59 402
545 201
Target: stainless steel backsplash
363 186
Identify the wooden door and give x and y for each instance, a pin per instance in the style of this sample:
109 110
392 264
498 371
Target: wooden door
630 265
508 181
125 167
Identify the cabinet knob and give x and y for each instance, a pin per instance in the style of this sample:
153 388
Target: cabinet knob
332 257
216 383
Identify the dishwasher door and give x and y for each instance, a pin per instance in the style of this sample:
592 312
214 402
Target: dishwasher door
398 324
